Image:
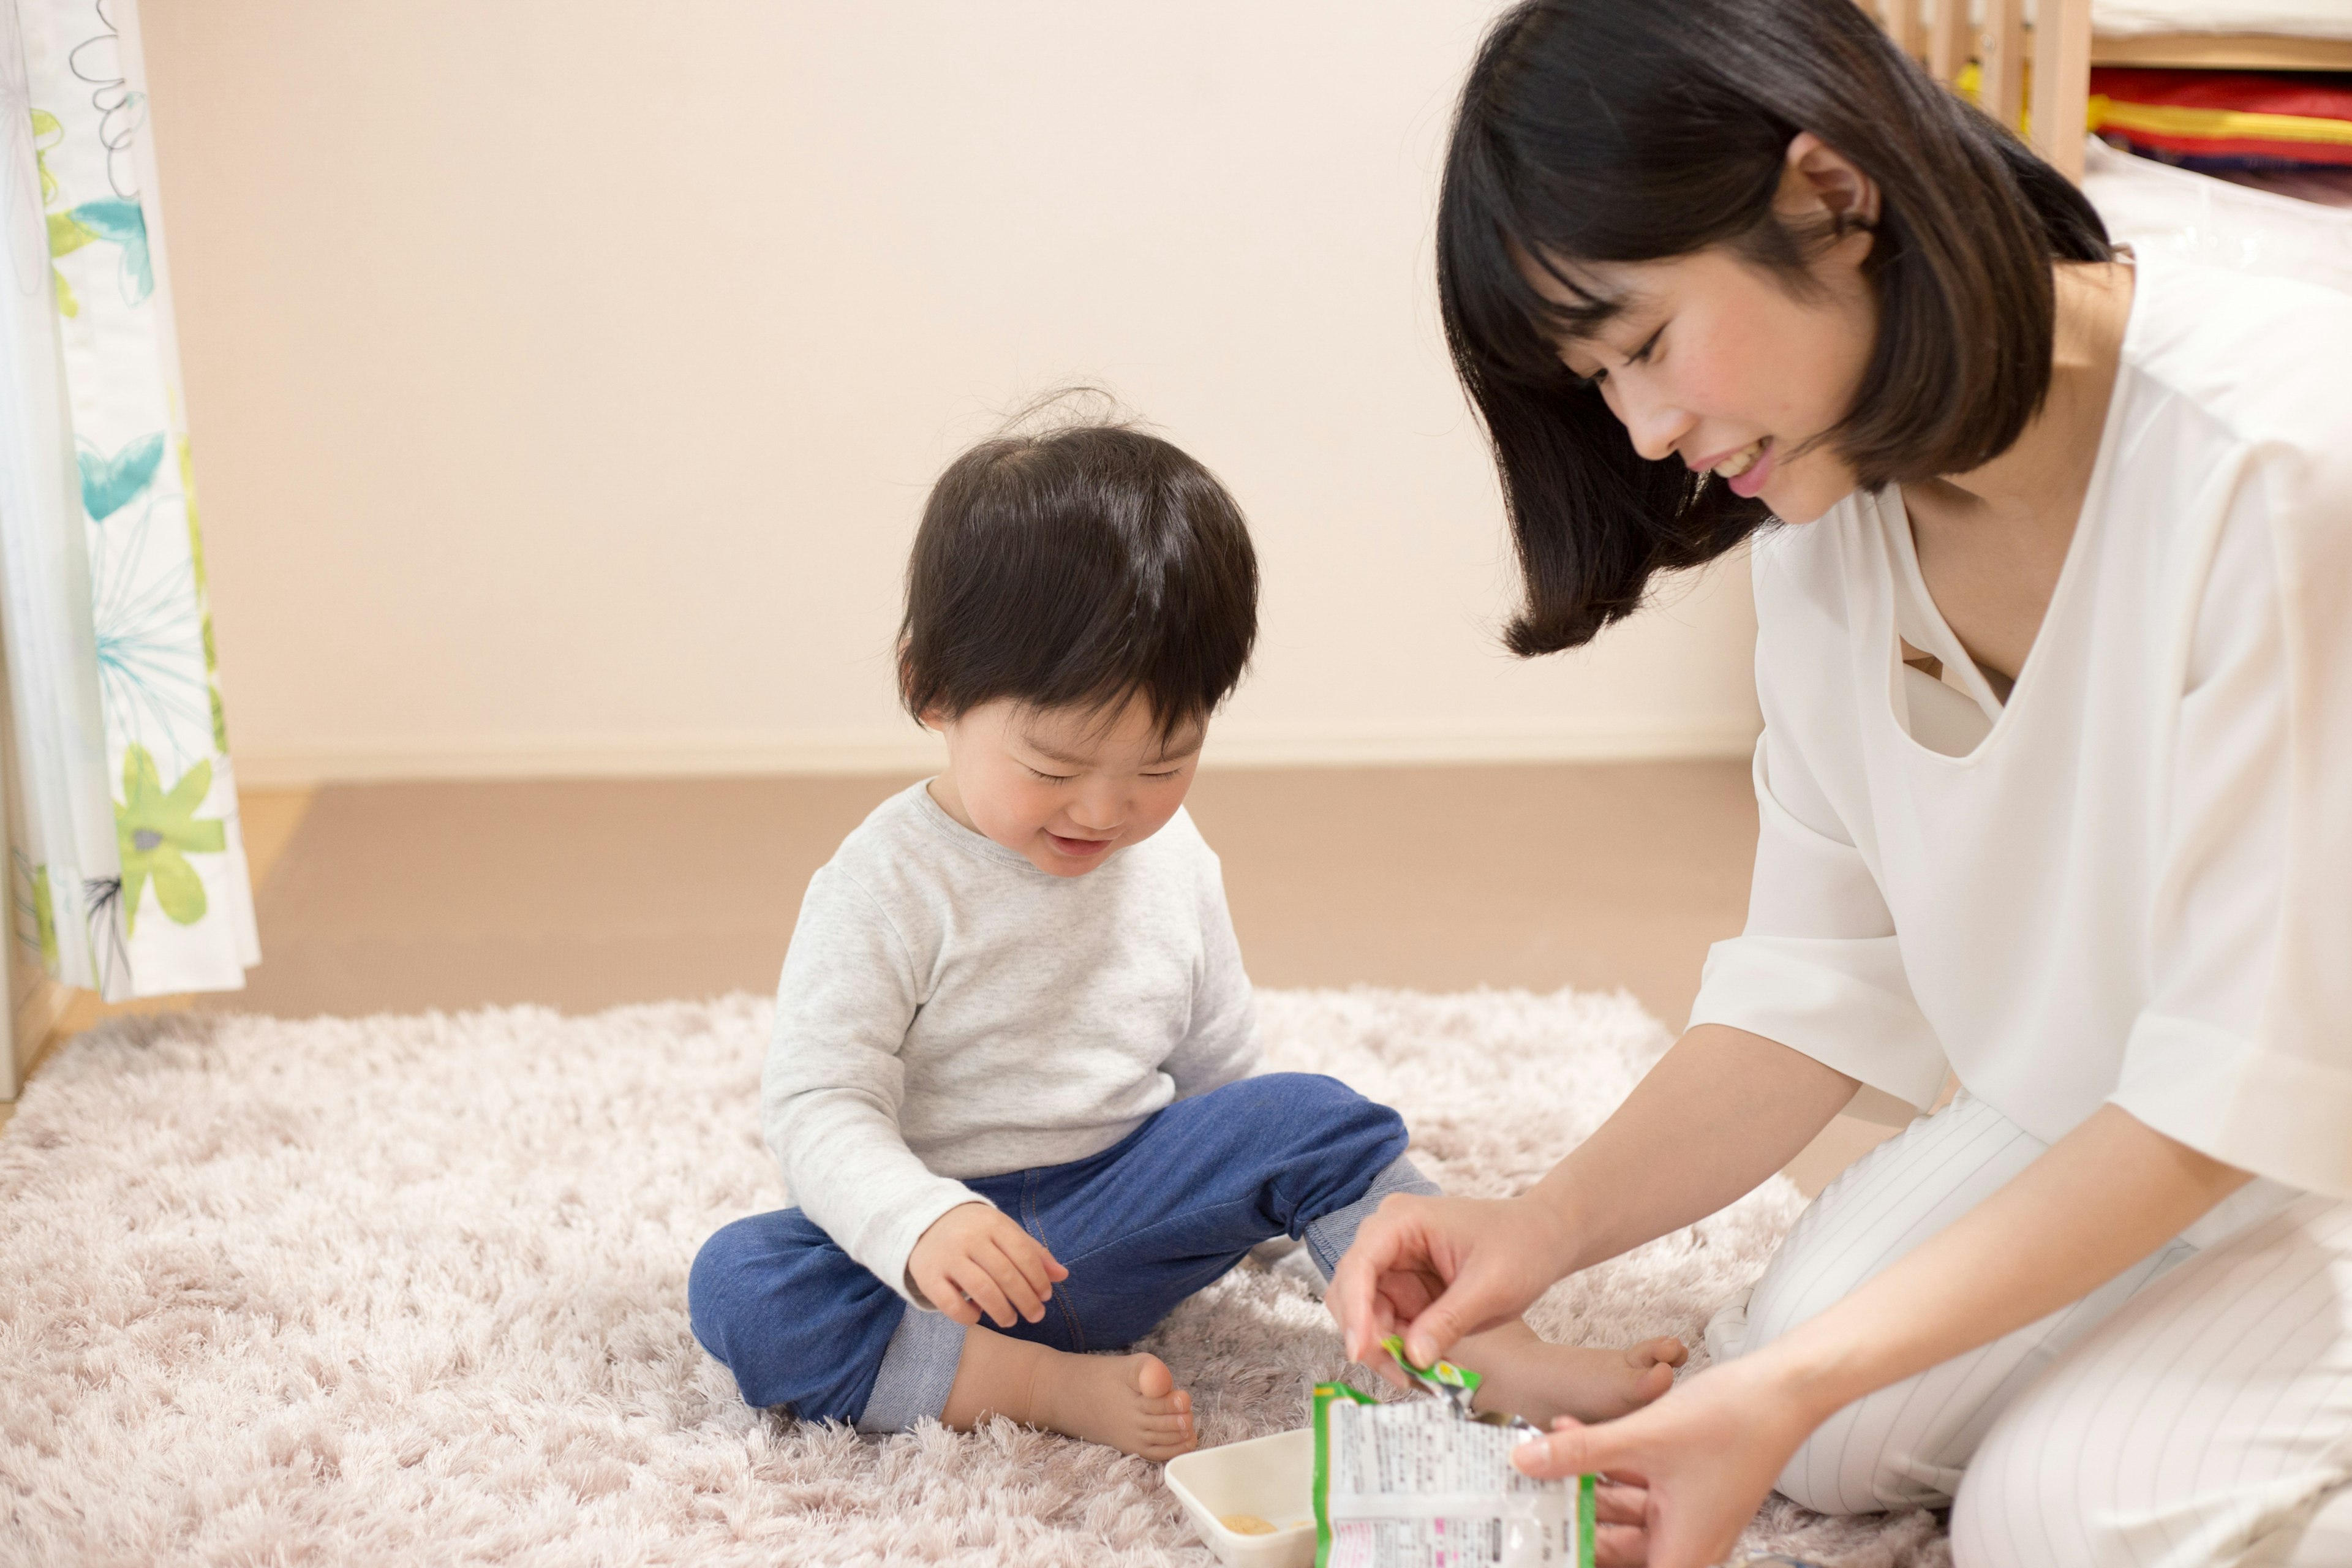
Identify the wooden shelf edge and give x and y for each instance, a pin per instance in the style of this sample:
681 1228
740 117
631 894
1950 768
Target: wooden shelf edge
2223 51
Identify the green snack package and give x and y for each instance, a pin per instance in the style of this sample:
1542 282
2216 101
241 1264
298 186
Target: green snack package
1427 1484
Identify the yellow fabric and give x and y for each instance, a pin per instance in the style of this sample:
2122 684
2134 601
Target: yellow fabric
2165 120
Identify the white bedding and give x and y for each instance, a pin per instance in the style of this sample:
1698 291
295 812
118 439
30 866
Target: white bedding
2161 210
2295 19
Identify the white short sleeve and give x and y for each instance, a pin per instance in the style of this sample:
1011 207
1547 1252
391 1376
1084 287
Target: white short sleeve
2244 1051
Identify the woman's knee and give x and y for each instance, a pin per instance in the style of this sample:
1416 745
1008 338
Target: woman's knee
2022 1504
1884 1451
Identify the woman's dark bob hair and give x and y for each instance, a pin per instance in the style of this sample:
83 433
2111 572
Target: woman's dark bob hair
1080 565
1615 130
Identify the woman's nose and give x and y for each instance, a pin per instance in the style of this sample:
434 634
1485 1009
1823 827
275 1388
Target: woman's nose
1654 422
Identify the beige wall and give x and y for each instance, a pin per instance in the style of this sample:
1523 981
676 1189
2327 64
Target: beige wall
565 377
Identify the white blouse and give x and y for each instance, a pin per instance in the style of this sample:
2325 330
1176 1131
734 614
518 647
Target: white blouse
2133 881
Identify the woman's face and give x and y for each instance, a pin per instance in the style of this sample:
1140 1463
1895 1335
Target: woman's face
1717 361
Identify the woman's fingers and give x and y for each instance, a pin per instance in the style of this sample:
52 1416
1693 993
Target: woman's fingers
1353 1290
1623 1539
1705 1454
1442 1269
1471 1304
1620 1502
1573 1448
1620 1546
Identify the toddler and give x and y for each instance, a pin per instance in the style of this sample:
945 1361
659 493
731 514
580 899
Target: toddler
1009 1080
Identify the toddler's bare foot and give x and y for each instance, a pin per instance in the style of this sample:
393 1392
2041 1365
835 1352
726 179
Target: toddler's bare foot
1527 1376
1130 1402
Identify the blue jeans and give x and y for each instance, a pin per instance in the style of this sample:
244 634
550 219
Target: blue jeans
1162 1213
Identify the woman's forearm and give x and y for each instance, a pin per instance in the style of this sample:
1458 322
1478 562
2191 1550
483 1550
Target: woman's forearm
2102 1198
1720 1112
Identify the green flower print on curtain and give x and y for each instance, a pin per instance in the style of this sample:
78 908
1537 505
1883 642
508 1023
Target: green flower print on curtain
159 829
112 679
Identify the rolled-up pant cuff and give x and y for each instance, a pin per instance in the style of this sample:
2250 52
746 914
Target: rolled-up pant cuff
919 1370
1329 1238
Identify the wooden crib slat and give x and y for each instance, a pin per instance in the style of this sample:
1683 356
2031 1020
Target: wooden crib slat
1947 39
2061 82
1950 40
2001 49
1909 26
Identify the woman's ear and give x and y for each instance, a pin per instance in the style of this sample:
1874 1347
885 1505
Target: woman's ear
1821 184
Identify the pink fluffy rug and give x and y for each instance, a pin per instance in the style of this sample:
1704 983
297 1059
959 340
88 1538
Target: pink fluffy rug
409 1290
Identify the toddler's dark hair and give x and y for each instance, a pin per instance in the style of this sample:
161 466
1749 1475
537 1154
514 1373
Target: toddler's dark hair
1078 566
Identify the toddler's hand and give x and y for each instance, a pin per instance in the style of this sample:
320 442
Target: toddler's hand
975 1258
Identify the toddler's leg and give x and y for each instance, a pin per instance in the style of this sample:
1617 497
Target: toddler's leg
1183 1200
1520 1372
799 1322
1140 1226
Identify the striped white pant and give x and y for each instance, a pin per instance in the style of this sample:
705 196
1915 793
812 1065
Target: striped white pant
2195 1410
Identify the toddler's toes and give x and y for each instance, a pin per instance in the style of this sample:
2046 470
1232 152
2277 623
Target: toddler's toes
1652 1385
1160 1450
1665 1351
1151 1377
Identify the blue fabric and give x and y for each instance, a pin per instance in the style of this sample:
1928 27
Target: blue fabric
1146 1223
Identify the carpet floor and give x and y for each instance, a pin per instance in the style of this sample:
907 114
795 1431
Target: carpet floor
411 1290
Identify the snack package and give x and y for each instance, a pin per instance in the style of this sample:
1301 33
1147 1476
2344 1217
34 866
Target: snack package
1426 1484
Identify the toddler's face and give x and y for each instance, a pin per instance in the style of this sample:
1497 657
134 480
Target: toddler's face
1064 786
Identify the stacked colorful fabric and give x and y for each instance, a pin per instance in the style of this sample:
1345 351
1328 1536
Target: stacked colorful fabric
2226 119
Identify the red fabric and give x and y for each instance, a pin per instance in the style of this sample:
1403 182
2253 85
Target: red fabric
2238 151
2321 96
2312 95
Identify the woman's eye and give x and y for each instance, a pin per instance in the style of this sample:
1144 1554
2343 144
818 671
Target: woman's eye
1639 356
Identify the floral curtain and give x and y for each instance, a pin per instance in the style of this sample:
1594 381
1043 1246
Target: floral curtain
129 872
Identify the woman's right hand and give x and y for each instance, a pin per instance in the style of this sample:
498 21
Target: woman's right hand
1436 1269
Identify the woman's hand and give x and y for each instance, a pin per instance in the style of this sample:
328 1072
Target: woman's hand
1435 1269
1708 1453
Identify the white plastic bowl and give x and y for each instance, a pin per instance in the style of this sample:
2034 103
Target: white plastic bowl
1271 1477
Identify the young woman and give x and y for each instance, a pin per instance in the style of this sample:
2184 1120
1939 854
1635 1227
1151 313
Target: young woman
2053 576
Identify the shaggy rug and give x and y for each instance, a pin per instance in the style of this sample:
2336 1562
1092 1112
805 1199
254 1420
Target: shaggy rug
412 1291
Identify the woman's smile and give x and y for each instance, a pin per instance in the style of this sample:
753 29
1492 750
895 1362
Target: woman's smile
1748 468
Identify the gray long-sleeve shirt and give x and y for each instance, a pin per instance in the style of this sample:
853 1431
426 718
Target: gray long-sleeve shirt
947 1011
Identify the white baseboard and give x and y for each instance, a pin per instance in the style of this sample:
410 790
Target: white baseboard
1336 745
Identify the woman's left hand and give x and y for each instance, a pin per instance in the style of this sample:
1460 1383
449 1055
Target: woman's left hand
1708 1453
